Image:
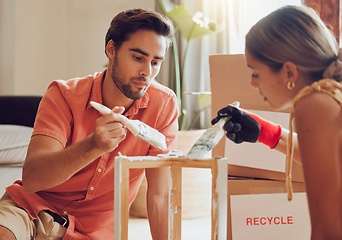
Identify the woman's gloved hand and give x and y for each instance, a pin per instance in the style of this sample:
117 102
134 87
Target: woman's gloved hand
244 126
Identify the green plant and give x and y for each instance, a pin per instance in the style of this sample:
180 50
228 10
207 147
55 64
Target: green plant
204 101
190 27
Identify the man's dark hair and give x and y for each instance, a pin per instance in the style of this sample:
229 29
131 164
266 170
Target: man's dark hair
128 22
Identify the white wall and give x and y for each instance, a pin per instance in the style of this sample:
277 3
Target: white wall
42 40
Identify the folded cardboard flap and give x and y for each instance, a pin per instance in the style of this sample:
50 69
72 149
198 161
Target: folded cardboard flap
243 171
230 81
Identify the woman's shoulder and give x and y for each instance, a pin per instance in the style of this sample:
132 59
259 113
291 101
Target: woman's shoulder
318 109
316 102
324 92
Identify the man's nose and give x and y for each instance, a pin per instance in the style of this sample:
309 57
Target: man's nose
146 70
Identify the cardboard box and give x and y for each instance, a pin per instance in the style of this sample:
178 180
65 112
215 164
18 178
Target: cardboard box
248 209
230 81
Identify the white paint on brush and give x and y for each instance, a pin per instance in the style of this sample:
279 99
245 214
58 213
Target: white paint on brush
209 138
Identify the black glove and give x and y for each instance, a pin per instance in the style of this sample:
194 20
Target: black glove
241 127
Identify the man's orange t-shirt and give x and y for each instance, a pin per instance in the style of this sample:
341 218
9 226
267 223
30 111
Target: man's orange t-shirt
87 198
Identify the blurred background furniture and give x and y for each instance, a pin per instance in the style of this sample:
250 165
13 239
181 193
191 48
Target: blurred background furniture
17 115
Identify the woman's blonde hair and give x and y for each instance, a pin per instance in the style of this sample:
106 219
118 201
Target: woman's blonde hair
296 34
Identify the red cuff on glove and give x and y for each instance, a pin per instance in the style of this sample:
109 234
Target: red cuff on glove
269 132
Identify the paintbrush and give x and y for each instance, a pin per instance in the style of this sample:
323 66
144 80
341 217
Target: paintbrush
138 128
209 138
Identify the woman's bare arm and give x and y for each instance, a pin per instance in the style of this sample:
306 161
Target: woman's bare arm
282 144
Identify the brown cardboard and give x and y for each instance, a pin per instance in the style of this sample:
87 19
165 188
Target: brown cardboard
242 186
230 81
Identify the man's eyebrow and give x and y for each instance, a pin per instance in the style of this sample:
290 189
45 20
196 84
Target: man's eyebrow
145 53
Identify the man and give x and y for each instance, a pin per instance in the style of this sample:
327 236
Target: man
68 176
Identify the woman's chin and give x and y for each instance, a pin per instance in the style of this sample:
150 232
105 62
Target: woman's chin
282 108
278 106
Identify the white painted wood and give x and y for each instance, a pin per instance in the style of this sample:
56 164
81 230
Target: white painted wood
222 192
117 198
219 197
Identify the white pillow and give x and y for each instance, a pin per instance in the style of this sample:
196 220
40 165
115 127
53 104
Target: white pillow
14 142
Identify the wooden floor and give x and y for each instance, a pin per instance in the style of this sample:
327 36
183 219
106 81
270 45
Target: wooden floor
199 229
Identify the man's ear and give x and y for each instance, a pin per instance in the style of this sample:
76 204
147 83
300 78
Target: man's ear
290 71
110 49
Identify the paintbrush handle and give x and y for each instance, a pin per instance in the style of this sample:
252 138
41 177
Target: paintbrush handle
222 121
236 104
137 128
101 108
130 124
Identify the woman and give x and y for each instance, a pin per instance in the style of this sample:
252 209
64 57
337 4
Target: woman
296 62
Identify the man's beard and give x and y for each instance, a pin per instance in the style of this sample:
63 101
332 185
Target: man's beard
125 88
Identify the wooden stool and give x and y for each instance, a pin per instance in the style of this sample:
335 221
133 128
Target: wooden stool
218 166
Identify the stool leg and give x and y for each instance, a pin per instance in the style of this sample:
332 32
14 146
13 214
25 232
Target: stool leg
219 199
214 201
175 203
222 192
121 186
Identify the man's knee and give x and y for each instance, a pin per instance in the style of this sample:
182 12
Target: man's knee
14 221
6 234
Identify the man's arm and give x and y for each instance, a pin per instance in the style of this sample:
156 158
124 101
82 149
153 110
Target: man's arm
157 201
49 164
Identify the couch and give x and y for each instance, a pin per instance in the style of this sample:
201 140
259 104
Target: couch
17 115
